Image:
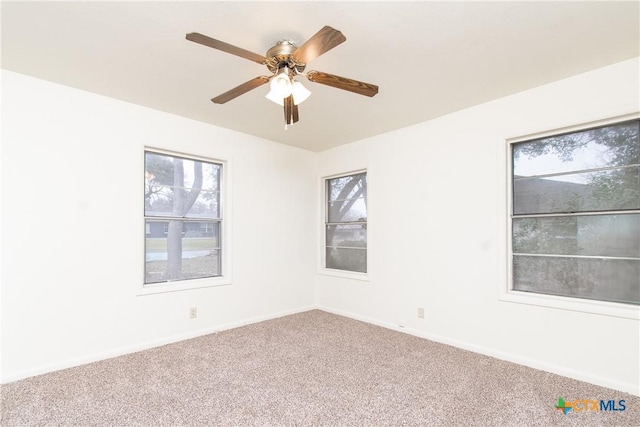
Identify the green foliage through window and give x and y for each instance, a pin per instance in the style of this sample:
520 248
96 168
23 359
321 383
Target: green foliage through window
346 223
576 214
182 218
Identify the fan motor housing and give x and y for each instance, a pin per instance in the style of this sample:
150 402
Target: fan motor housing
280 55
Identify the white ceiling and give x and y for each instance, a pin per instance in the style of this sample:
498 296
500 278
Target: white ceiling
428 58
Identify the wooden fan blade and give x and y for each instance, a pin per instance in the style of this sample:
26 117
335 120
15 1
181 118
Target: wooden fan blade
288 109
239 90
226 47
296 117
322 41
344 83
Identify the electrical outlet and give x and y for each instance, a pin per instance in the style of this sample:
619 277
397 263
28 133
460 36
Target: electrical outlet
193 312
420 312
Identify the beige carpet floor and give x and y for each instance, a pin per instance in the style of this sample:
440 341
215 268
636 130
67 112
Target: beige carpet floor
308 369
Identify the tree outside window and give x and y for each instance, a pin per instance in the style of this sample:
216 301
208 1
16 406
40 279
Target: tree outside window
182 218
576 214
346 223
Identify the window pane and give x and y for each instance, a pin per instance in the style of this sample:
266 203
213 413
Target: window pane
347 236
601 235
181 187
165 168
346 186
347 259
347 198
347 247
600 279
592 191
594 170
206 205
347 203
609 146
173 201
348 210
177 250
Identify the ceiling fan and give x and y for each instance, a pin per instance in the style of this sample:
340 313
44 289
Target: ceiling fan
285 61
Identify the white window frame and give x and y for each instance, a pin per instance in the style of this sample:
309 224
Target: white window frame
225 232
506 292
322 261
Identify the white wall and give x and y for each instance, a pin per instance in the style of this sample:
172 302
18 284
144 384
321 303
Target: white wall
437 233
72 228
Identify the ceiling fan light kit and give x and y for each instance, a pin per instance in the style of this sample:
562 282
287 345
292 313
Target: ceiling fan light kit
299 93
286 61
281 84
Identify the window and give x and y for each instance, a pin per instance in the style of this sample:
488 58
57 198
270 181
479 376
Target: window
346 223
183 218
575 223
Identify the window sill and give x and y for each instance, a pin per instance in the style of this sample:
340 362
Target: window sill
626 311
345 274
183 285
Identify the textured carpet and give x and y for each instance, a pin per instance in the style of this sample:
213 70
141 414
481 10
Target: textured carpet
307 369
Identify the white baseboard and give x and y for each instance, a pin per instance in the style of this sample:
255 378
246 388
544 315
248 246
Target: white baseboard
70 363
520 360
